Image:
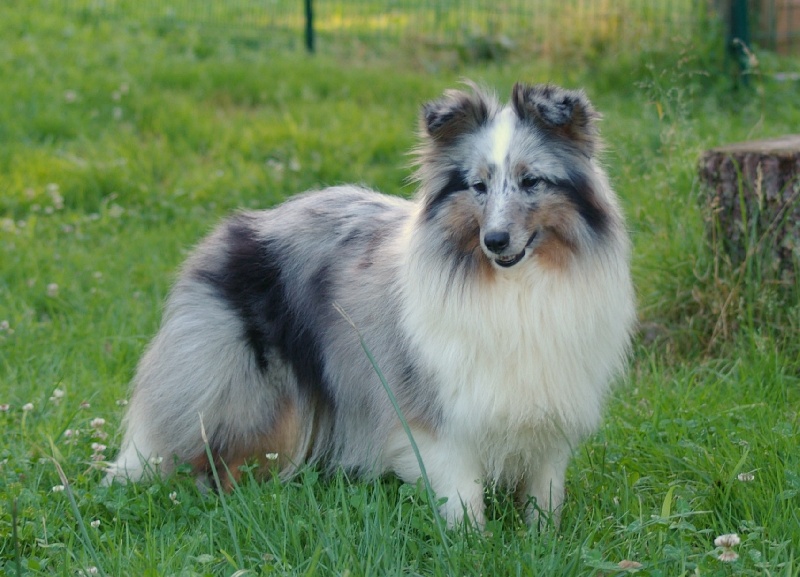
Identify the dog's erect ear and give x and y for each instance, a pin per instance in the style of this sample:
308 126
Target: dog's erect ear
567 113
454 114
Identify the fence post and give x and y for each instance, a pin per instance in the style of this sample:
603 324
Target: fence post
739 36
309 26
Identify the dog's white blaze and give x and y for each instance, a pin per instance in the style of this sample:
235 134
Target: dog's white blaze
497 217
501 136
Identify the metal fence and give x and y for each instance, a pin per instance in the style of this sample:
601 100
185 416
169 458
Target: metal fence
548 26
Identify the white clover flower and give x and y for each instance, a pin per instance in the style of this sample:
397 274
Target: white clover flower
71 436
174 498
271 456
122 402
4 326
52 290
746 477
27 407
4 408
728 540
155 460
95 524
97 422
57 488
98 447
85 405
58 393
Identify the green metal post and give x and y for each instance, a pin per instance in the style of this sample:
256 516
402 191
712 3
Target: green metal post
309 26
739 36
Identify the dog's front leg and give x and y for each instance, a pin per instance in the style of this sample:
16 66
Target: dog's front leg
542 491
453 471
463 488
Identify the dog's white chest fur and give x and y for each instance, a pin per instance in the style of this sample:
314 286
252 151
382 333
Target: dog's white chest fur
523 362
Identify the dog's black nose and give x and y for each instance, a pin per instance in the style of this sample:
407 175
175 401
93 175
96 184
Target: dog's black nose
497 241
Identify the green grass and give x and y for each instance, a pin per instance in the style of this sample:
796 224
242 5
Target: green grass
122 144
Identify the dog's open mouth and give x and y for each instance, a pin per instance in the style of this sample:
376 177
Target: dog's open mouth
507 261
511 260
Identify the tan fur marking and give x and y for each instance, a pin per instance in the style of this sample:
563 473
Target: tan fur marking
461 222
556 217
282 440
554 253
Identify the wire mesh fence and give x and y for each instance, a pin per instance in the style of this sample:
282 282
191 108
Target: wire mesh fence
546 25
776 24
543 25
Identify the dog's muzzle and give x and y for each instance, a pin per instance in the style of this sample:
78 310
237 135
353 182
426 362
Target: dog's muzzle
497 242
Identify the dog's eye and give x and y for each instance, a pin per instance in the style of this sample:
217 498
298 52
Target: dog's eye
479 187
529 182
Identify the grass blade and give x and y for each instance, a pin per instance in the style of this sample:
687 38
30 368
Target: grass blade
87 542
221 493
399 411
15 537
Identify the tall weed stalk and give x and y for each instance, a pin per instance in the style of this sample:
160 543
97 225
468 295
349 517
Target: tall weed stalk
399 411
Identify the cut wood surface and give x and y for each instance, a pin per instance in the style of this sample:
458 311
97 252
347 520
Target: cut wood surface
752 191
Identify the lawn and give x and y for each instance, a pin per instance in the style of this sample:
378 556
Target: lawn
121 144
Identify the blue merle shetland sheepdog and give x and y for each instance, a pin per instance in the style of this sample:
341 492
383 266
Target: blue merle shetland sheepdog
497 303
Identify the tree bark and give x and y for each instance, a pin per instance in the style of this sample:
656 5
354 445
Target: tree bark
753 192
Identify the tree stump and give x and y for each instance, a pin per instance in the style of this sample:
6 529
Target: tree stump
753 192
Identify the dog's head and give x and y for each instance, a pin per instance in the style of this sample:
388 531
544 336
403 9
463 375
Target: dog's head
507 182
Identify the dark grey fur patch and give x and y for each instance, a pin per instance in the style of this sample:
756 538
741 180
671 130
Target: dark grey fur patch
456 182
250 282
567 114
454 114
579 191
